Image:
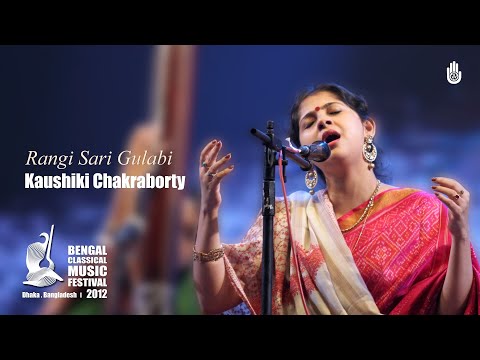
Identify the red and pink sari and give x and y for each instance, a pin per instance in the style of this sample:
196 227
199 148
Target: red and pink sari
397 266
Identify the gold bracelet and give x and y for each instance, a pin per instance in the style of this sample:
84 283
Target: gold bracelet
212 255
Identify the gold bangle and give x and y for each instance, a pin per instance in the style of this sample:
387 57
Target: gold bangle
212 255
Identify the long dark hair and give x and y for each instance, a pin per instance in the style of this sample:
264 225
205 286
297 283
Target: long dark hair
356 102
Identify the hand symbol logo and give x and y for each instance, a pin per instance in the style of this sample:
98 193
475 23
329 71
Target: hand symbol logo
453 75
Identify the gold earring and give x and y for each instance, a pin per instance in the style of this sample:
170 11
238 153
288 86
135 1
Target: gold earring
369 151
311 179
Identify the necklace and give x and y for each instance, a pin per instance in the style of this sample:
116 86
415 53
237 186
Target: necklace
361 232
365 212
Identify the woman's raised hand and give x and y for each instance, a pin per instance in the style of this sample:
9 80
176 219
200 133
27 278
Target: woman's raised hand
212 170
457 200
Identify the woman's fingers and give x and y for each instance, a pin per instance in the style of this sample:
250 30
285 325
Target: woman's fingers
215 166
204 155
215 174
450 193
451 204
221 174
208 157
210 169
453 186
457 197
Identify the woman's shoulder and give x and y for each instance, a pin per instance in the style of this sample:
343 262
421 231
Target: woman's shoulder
418 198
416 192
297 196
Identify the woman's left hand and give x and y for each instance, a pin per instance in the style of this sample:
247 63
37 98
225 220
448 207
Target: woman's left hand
457 199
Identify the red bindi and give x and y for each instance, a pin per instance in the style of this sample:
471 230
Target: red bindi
317 108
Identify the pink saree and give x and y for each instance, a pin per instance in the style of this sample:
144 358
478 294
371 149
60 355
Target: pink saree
397 266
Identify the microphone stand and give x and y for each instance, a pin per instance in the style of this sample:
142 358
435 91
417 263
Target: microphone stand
272 146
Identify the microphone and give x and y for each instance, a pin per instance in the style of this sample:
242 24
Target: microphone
318 151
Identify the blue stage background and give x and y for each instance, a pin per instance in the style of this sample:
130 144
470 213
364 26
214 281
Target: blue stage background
57 99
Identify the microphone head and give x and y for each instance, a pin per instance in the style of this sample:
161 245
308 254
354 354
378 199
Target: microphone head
319 151
304 150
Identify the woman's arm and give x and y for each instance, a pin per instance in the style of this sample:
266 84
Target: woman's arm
458 280
215 293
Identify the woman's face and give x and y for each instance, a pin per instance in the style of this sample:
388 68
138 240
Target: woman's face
324 117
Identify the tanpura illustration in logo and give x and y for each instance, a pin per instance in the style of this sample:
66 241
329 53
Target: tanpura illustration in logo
36 252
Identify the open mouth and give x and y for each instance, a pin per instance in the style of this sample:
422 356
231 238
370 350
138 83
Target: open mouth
330 136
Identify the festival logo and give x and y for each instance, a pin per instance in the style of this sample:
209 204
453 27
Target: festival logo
41 276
